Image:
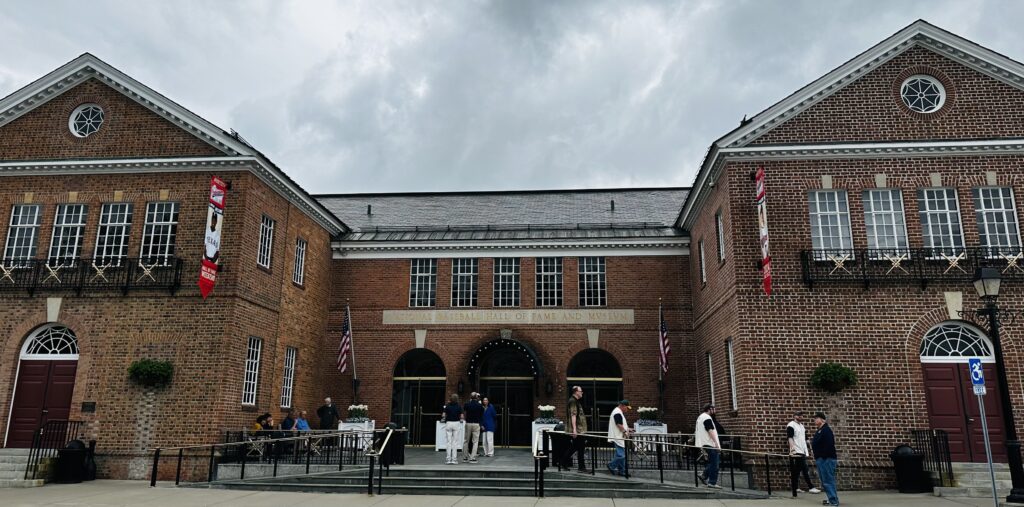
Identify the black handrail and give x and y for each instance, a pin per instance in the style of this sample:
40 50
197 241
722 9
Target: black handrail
907 265
78 275
50 437
382 459
934 444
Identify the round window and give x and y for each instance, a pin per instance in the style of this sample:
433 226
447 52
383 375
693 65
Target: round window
923 94
85 120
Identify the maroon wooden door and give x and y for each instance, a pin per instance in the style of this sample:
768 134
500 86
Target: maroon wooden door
43 393
953 408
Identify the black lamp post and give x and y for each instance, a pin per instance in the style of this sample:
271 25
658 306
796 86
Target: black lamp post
986 282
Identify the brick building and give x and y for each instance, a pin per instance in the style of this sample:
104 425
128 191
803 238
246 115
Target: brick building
889 180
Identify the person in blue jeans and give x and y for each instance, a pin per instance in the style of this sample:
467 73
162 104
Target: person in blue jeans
824 447
618 431
705 436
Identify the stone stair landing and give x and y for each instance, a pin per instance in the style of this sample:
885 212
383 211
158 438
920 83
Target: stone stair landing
13 463
973 481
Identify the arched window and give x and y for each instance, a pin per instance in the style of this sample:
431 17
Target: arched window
419 363
594 363
955 342
51 342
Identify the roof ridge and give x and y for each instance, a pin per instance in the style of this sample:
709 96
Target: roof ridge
499 192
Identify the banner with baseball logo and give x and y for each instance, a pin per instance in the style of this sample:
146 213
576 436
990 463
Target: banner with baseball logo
214 224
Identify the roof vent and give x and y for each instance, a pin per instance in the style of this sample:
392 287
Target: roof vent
613 204
369 209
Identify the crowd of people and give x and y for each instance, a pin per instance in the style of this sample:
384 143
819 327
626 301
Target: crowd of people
477 419
297 420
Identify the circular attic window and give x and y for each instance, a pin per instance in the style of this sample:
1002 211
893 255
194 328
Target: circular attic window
923 94
85 120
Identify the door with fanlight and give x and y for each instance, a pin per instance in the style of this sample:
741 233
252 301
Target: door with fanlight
600 376
46 382
418 395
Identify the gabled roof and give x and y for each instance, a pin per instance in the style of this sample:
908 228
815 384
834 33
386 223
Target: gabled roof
543 214
918 33
87 67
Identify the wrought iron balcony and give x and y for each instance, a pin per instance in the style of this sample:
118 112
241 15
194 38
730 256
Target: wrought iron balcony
78 275
904 266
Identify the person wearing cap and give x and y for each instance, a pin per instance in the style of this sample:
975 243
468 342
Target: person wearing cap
796 434
618 430
706 436
825 457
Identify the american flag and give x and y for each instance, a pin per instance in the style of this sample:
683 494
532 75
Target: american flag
345 346
664 345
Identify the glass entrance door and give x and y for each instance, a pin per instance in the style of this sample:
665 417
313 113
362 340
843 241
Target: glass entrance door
512 398
416 404
600 376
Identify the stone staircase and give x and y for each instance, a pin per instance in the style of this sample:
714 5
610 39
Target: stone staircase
440 480
12 469
973 480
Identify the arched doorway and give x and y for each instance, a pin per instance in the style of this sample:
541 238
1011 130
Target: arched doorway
600 376
952 406
417 398
507 371
46 381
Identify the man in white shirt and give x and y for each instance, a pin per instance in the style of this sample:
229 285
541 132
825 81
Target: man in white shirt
705 436
797 436
618 430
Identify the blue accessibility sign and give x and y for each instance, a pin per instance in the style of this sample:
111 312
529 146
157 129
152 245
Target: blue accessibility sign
977 374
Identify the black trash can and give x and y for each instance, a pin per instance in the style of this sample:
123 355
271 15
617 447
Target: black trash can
910 474
71 462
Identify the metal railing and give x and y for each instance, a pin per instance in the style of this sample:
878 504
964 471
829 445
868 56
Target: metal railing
938 461
49 438
651 452
124 274
384 456
349 447
907 265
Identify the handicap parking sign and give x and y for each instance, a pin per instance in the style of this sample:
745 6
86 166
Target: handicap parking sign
977 375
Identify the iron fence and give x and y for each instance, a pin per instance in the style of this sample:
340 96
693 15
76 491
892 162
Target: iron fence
907 265
937 459
80 275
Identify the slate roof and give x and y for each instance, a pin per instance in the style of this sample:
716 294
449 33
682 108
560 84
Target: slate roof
538 214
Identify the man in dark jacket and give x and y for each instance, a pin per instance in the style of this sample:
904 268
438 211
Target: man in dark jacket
328 414
824 446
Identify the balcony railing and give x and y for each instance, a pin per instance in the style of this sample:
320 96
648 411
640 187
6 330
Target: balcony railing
905 266
78 275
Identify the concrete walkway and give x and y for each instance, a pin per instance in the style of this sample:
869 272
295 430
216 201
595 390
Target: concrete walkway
107 493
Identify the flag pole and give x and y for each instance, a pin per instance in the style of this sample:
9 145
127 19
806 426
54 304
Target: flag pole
352 352
661 359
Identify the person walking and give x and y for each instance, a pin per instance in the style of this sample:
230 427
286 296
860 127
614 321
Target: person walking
705 436
826 458
618 430
474 413
328 415
796 434
577 416
488 425
452 421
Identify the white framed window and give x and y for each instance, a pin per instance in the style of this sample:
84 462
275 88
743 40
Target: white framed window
885 222
731 364
160 232
422 282
940 221
464 282
593 289
923 93
113 233
68 234
506 281
720 232
266 241
997 220
549 281
830 222
711 378
252 371
23 234
288 379
299 273
85 120
700 261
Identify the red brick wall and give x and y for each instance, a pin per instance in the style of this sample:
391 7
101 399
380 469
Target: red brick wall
870 109
129 130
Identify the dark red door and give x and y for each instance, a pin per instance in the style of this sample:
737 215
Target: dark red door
953 408
43 393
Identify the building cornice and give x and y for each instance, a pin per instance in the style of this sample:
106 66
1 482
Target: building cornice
462 249
267 173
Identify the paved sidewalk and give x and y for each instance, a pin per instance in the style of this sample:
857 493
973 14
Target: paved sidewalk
107 493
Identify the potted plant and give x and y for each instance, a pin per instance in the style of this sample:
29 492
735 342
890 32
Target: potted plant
357 414
834 379
545 421
650 421
151 373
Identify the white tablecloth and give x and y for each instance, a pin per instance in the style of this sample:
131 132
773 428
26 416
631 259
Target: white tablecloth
441 438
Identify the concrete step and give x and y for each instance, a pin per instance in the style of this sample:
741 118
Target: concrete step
488 490
466 482
12 474
9 483
980 478
14 451
971 492
979 467
6 467
14 459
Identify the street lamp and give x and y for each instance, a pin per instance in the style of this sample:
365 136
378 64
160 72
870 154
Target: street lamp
986 282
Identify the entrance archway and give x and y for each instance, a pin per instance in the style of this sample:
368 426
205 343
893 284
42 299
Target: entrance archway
45 382
417 398
507 371
600 376
952 406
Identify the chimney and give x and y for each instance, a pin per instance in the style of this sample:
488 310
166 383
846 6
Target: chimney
369 209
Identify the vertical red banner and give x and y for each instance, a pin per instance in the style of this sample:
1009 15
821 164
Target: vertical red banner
214 224
762 224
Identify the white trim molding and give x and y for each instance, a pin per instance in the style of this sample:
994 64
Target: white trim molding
462 249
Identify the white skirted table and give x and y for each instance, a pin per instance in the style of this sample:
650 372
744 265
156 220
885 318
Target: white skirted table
366 439
441 437
535 442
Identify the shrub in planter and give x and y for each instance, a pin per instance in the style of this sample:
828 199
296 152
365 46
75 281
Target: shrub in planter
649 416
151 373
547 415
357 414
833 377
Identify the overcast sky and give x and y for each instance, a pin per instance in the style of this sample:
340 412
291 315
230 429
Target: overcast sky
474 95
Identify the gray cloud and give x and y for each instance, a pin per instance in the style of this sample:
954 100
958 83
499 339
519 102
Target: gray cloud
403 96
